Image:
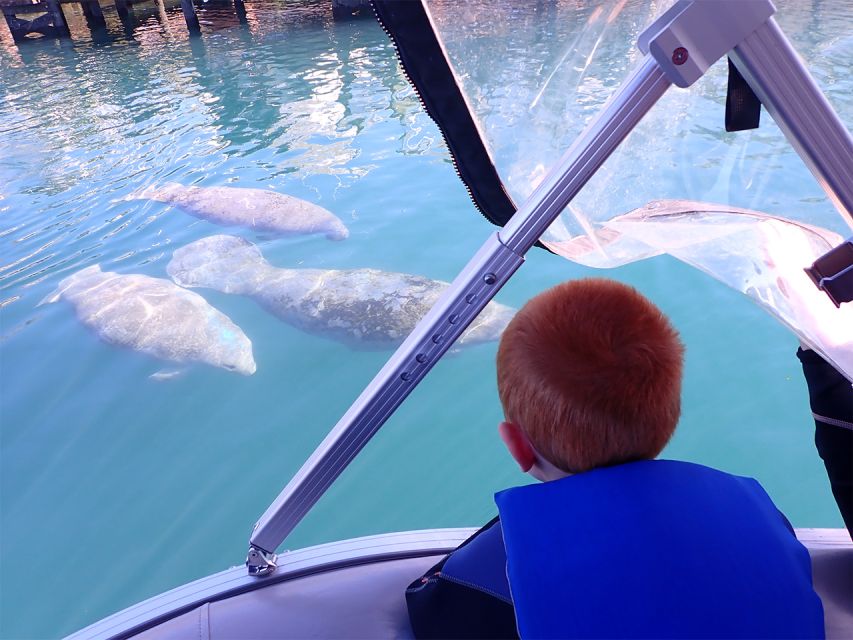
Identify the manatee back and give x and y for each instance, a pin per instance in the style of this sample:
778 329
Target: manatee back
155 316
286 214
366 307
222 262
258 209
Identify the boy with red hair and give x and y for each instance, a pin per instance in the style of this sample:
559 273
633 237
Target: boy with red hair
589 374
612 543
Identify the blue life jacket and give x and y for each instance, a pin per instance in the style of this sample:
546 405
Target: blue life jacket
481 565
655 549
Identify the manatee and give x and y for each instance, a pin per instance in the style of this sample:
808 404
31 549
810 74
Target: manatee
258 209
157 317
364 308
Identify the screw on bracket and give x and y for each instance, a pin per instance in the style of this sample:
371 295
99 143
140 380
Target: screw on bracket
260 562
679 56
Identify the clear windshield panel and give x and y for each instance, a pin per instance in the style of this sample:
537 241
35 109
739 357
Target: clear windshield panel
534 74
130 468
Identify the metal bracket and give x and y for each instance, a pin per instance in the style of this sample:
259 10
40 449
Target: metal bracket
260 562
833 273
693 34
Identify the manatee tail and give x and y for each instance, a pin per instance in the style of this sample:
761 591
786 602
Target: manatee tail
225 263
68 282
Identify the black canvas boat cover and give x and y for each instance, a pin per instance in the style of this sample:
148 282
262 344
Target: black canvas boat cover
512 84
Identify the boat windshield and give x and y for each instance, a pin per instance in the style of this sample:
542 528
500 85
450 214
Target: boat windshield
169 358
738 206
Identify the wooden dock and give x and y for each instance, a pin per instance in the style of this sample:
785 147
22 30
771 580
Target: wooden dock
46 17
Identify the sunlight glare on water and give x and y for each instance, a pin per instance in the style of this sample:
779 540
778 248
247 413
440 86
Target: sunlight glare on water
117 485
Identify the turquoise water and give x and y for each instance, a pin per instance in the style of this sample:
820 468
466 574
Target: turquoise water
116 486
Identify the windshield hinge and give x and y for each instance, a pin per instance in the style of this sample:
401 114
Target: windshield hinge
259 562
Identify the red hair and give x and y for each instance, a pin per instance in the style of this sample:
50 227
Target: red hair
591 371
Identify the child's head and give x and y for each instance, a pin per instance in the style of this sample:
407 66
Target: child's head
590 372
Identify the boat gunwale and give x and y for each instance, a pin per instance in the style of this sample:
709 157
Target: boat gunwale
291 566
324 558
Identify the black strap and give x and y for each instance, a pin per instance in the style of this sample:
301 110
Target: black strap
831 399
743 108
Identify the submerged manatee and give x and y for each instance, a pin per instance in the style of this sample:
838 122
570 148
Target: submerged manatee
258 209
156 317
364 307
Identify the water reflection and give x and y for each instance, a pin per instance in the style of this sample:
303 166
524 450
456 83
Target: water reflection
121 116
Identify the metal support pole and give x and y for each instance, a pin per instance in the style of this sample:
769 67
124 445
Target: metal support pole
778 77
693 34
190 16
469 293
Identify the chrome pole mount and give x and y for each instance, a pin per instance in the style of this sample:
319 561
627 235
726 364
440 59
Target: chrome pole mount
259 562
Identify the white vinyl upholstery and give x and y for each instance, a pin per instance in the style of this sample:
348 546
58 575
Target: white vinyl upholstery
365 601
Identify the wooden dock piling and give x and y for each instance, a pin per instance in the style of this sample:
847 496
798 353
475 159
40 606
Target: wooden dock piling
190 16
349 9
94 14
45 17
122 9
57 17
240 8
50 23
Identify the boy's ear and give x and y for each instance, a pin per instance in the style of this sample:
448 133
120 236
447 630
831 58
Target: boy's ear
518 445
